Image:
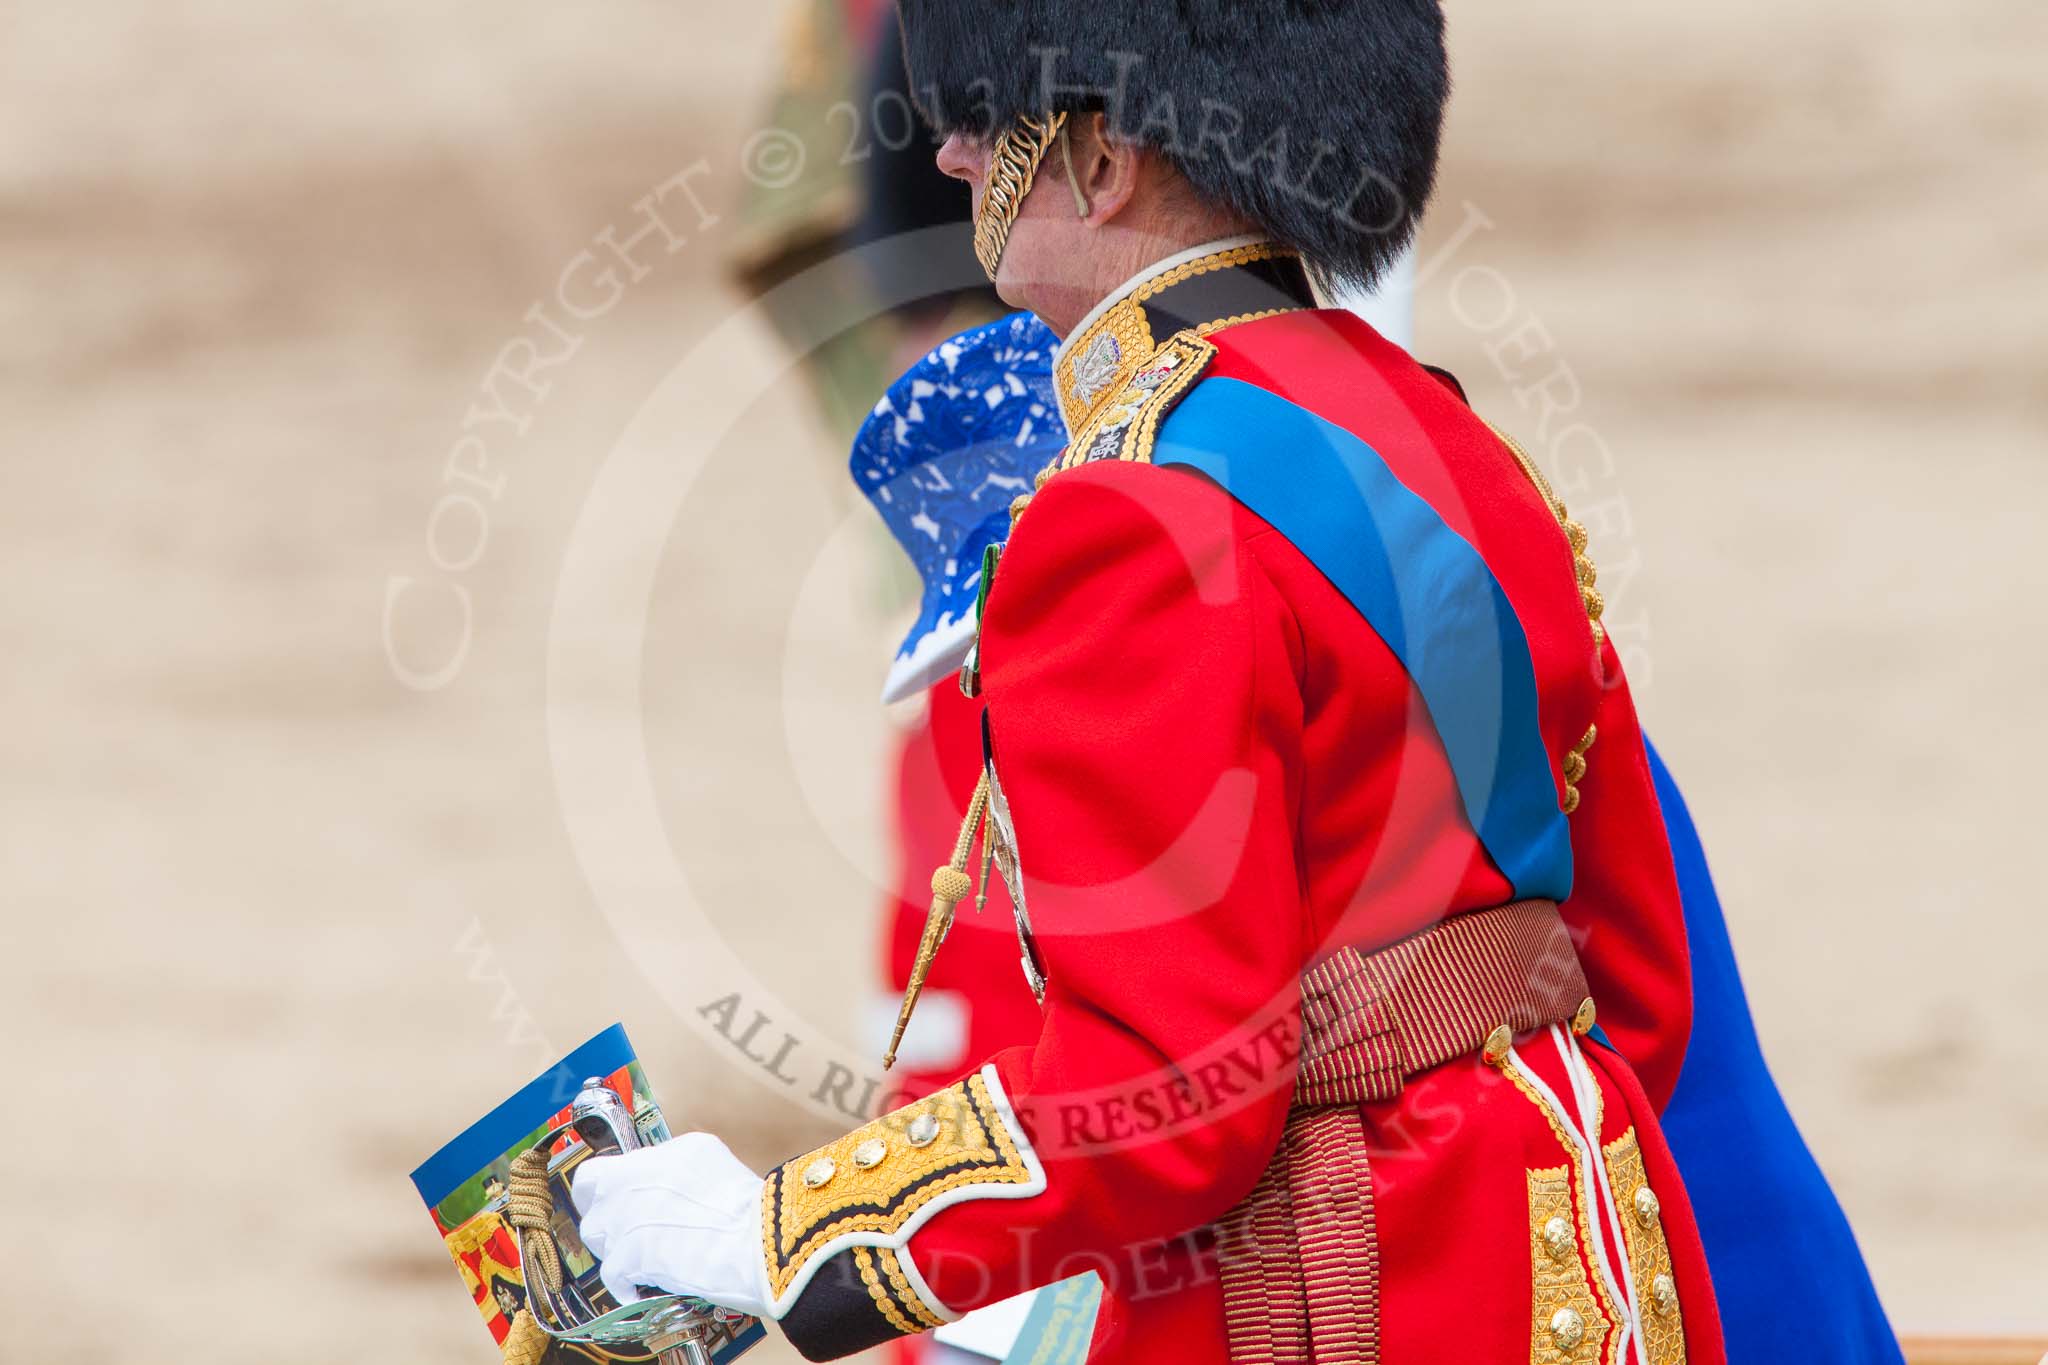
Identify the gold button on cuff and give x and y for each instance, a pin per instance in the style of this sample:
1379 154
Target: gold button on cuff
1567 1329
924 1130
1557 1239
1647 1206
870 1153
1584 1016
819 1172
1497 1044
1665 1294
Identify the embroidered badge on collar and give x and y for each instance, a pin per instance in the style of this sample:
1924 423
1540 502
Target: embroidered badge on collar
1096 367
1202 291
1124 427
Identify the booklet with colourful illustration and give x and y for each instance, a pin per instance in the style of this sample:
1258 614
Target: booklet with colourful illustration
467 1186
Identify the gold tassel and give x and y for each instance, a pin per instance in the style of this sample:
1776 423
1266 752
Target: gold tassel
530 1209
950 885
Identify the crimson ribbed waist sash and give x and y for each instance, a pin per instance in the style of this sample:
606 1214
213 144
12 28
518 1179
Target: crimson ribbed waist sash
1300 1258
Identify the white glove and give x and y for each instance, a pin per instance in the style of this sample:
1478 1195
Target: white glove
683 1217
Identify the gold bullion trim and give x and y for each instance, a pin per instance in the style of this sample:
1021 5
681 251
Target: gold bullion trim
1581 1181
891 1311
1649 1255
1554 1284
886 1266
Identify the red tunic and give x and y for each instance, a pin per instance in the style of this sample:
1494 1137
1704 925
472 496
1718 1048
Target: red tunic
1216 772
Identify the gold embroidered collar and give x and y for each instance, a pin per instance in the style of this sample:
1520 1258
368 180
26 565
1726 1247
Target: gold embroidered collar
1202 290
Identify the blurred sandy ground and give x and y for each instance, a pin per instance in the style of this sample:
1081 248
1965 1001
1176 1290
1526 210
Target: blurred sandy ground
276 925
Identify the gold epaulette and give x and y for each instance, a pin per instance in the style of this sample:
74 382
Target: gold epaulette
873 1188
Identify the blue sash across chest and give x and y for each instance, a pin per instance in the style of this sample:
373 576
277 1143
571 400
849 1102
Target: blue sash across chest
1421 586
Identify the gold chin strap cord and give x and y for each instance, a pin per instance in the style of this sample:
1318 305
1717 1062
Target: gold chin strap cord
950 885
1012 167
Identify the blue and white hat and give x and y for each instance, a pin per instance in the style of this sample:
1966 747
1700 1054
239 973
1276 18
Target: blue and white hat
942 456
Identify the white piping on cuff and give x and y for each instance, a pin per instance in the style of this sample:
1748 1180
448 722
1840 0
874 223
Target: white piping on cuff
924 1291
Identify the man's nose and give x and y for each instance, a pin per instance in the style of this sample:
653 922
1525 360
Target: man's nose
957 158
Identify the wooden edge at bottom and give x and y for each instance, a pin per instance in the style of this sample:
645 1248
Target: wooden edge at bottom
1975 1350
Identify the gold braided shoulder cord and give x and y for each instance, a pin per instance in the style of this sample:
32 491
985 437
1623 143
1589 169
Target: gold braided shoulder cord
1012 166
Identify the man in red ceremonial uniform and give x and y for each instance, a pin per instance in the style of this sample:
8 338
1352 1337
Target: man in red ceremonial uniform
1315 785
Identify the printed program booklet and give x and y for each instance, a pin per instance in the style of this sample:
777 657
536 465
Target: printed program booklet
465 1188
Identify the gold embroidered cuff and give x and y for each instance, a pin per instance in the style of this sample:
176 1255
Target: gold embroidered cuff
859 1299
874 1187
891 1292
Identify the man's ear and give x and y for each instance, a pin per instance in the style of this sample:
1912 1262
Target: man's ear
1105 169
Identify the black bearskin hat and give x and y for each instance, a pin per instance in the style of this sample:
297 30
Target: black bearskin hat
1318 120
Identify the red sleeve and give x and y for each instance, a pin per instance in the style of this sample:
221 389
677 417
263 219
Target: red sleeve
1144 717
1624 910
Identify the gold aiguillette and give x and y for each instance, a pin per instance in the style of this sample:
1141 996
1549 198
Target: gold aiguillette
950 886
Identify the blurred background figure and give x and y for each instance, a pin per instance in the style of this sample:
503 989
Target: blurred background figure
875 230
944 453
